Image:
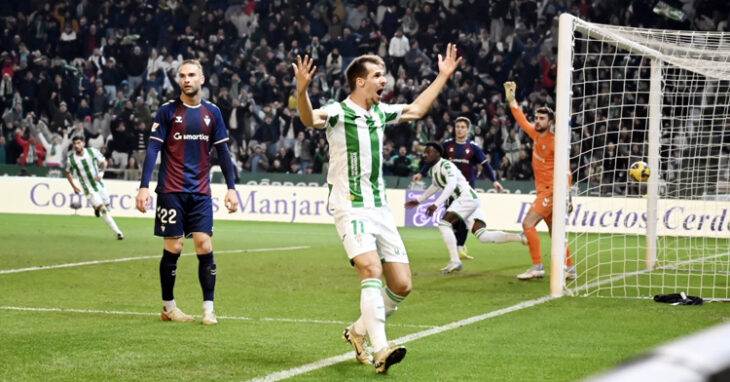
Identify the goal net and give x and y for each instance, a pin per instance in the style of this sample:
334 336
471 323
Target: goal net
658 96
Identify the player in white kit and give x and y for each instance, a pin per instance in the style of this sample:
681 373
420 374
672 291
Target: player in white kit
355 131
88 164
465 207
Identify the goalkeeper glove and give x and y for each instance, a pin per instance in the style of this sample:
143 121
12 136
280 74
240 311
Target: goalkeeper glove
509 91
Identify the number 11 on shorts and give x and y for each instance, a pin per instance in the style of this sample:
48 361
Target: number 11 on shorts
355 224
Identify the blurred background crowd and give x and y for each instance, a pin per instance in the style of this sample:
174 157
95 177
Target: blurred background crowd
101 69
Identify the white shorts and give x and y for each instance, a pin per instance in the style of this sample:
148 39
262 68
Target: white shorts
97 198
370 229
468 210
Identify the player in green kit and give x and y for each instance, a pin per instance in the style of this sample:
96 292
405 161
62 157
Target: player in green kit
355 132
88 165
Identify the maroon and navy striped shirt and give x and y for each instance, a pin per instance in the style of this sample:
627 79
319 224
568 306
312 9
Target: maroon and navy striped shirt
187 134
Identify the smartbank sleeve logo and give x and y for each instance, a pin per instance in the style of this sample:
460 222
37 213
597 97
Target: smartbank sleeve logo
190 137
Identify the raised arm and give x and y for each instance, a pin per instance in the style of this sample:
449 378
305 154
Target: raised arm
447 67
304 70
509 91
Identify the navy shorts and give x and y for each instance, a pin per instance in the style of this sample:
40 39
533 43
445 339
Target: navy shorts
181 214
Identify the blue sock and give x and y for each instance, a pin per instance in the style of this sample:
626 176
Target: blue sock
206 275
168 270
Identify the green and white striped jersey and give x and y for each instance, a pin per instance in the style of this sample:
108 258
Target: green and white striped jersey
447 177
355 137
86 168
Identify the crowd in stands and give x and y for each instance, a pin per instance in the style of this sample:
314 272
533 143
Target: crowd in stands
101 69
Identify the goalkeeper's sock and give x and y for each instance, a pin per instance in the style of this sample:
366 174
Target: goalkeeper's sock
447 233
168 271
207 275
533 242
568 258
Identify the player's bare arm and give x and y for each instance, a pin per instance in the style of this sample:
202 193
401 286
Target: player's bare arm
412 203
431 209
71 181
143 199
304 70
447 67
102 167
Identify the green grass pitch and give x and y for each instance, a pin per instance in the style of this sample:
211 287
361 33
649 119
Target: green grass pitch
280 309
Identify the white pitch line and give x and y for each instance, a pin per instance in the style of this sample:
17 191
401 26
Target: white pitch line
284 374
277 376
641 272
268 319
123 259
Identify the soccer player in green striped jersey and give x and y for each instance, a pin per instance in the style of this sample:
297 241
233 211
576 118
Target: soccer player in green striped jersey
88 165
465 207
355 131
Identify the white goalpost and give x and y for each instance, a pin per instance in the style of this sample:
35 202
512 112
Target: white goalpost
659 96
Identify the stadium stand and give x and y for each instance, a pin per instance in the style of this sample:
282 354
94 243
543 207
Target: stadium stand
102 69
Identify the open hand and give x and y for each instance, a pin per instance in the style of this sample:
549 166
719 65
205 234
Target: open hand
509 91
304 70
449 62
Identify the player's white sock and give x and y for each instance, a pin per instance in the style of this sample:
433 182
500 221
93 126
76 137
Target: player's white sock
169 305
109 220
450 239
207 305
391 305
459 248
391 301
372 308
486 236
359 326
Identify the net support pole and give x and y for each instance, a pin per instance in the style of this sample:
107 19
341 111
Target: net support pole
562 152
652 197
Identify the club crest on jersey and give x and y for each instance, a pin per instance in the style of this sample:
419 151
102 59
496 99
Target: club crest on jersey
206 119
178 119
544 147
467 151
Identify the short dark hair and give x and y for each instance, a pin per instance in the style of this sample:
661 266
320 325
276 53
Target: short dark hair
546 110
77 138
436 146
357 68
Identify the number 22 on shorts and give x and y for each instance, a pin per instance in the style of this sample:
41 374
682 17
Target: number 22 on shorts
167 215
